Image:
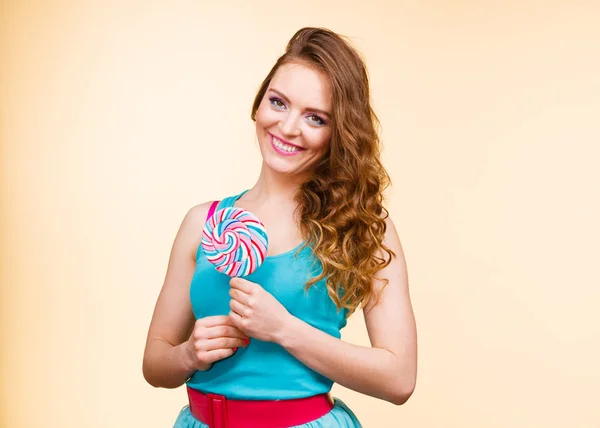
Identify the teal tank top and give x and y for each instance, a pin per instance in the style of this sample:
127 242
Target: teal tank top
265 370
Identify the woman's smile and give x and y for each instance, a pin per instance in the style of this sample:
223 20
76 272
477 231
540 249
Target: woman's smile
283 147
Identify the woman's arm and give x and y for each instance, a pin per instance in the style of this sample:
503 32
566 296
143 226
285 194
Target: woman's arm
388 369
167 363
178 345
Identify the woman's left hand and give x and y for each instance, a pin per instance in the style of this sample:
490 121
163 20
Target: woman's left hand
255 311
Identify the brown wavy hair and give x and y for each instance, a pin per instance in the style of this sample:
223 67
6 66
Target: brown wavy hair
340 207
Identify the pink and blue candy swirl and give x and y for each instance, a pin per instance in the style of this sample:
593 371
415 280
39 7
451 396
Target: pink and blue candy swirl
235 241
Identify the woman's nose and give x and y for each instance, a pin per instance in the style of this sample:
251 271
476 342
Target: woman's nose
289 125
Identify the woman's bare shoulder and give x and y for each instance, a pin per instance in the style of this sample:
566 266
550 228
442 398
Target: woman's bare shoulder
197 214
192 226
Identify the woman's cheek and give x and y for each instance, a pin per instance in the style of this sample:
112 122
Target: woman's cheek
319 138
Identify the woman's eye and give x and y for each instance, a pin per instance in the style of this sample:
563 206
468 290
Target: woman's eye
316 119
276 102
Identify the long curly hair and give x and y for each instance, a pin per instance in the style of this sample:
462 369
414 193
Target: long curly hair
340 207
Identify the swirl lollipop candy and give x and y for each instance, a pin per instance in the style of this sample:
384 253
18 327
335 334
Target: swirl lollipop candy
235 241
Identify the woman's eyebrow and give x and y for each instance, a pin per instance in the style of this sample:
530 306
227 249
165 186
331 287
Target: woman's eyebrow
316 110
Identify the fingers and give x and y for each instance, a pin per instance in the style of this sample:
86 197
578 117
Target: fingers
242 285
225 331
222 343
239 309
237 319
240 296
202 332
215 338
208 351
218 354
213 321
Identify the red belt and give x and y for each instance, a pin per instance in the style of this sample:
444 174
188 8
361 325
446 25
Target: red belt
219 412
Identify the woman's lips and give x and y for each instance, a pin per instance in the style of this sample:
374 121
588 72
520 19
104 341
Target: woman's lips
282 144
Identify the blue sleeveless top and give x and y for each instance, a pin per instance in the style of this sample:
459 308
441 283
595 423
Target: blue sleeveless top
265 370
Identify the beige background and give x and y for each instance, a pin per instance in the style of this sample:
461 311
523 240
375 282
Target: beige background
118 116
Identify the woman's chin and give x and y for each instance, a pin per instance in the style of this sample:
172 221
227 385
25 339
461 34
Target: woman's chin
281 166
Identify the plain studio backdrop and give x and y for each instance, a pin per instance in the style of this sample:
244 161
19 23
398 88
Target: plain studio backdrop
118 116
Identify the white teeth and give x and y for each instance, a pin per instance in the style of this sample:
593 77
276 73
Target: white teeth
284 147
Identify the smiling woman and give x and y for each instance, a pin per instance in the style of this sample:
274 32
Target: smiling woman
291 119
264 350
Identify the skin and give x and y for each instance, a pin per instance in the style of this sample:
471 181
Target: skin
178 345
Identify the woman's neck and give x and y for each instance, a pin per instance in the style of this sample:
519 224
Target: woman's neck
274 188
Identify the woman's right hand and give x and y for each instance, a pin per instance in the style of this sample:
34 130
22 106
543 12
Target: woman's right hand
213 339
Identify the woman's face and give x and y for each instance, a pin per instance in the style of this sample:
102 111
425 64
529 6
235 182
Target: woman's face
293 121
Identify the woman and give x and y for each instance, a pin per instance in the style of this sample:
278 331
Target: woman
263 351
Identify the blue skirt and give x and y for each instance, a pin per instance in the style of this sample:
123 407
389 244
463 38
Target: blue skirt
339 417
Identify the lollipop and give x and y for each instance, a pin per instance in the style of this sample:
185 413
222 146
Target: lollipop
235 241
